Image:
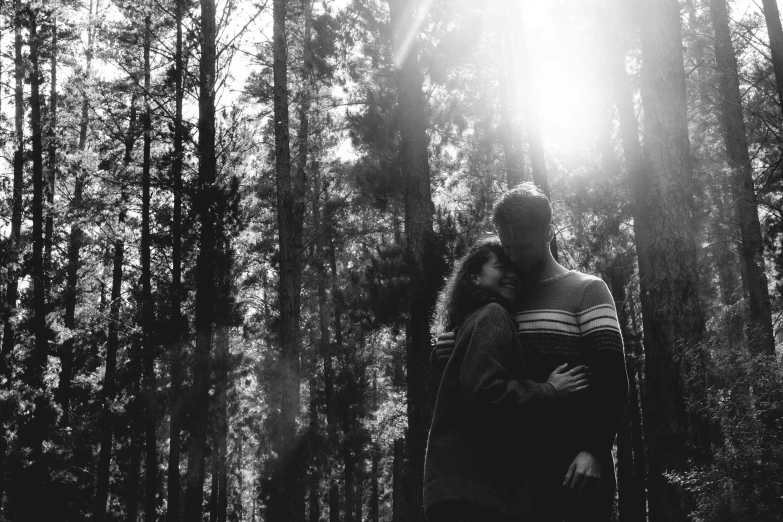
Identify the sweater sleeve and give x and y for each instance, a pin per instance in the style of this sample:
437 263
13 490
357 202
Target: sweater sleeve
492 360
603 345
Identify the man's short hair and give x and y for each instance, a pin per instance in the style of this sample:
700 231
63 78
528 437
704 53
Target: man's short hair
524 206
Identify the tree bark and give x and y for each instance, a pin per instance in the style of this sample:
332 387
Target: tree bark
221 376
399 484
290 221
12 292
112 343
422 262
147 312
632 504
14 247
38 472
759 328
52 164
672 313
375 459
177 327
205 265
775 31
510 127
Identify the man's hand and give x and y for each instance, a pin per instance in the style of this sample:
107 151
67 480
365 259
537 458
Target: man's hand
444 347
584 474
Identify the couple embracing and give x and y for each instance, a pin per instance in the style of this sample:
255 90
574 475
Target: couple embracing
534 383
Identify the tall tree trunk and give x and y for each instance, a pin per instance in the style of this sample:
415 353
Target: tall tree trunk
14 247
205 265
12 293
176 327
759 328
112 343
135 409
632 504
533 125
349 469
671 309
52 165
290 220
221 375
322 227
375 458
314 483
359 495
423 265
75 239
399 484
510 127
38 473
775 31
147 312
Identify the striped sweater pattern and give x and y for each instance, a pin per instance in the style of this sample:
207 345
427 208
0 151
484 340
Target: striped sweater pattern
571 319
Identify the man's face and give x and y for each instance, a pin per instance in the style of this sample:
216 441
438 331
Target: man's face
528 249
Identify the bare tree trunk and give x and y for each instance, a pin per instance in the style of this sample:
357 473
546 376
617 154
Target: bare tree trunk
12 293
290 220
112 343
399 484
221 374
205 265
38 472
136 428
52 166
322 227
759 329
775 31
176 328
510 127
75 239
147 312
632 504
423 265
14 247
672 314
375 458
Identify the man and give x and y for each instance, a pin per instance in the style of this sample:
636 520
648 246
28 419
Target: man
563 316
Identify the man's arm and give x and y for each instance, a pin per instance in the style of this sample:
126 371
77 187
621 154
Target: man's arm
603 344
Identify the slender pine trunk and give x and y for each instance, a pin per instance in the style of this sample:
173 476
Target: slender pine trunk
290 220
775 32
112 343
52 163
38 472
147 311
177 326
205 264
759 328
510 127
12 290
14 247
423 265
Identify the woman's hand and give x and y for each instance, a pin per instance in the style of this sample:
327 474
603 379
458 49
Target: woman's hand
567 382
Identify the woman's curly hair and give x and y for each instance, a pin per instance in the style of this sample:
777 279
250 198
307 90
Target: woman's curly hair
461 295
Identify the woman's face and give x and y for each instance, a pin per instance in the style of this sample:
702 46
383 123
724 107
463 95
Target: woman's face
498 279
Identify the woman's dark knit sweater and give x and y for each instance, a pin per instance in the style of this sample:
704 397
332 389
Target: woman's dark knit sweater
482 414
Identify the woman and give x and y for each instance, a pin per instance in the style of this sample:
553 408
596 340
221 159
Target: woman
485 412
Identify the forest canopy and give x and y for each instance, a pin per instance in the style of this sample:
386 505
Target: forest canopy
224 225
